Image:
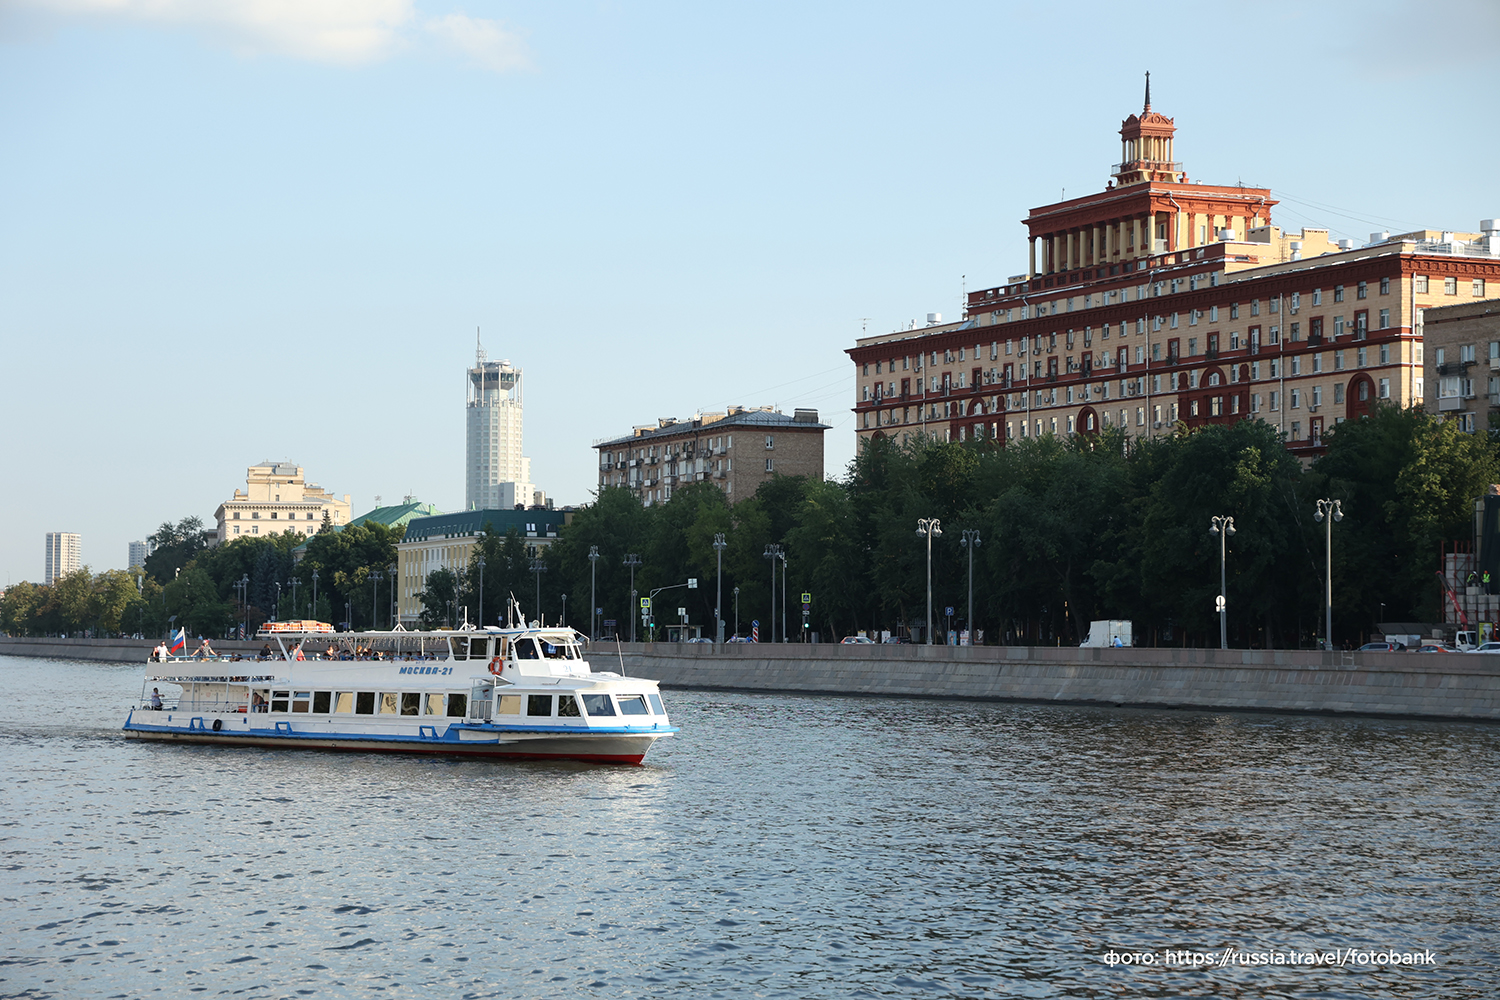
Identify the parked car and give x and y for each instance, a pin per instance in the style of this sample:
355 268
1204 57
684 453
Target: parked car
1487 647
737 638
850 640
701 638
897 640
1435 647
1384 647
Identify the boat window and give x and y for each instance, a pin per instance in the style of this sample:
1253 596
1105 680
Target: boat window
510 704
552 650
300 700
539 704
321 701
278 701
633 704
526 649
457 705
479 649
433 705
389 703
364 703
567 708
572 652
411 703
343 703
656 704
460 649
598 704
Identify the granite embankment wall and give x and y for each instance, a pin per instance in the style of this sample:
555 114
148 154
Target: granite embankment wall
1437 685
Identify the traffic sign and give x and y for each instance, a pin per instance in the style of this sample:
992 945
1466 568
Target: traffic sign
949 612
692 583
645 604
806 597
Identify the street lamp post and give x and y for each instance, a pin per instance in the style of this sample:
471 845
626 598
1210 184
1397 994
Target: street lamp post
1333 510
538 566
971 541
276 608
1223 527
564 619
315 593
245 602
375 579
736 612
294 583
719 546
929 528
480 561
395 579
632 560
593 590
773 552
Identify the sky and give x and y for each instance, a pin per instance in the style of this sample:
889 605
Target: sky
247 230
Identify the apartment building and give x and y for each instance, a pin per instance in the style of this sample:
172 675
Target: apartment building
277 497
736 451
64 555
1159 302
446 541
1462 373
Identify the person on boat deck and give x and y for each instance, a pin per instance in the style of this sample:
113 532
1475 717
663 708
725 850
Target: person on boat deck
297 652
205 650
155 700
257 703
159 653
265 651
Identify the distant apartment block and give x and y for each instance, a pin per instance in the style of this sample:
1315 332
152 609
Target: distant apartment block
1462 370
64 554
138 553
277 498
497 476
736 451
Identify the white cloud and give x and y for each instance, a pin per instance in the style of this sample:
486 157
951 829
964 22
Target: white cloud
485 41
331 31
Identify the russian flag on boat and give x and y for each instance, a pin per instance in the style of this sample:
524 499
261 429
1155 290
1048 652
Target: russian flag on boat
179 642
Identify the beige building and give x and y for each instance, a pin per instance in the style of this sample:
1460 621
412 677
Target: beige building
1157 302
736 451
1462 349
446 541
277 498
64 554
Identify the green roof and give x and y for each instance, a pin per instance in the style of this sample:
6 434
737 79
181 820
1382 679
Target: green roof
398 514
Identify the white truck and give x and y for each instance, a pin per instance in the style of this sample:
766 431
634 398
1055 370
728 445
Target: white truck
1103 634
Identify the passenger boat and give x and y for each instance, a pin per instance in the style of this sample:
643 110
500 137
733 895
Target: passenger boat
521 693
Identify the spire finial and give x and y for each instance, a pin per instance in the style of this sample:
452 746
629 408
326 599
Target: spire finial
1148 91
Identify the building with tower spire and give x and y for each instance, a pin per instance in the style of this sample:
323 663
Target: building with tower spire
498 476
1158 305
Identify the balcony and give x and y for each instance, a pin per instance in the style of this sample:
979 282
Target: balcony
1449 404
1211 353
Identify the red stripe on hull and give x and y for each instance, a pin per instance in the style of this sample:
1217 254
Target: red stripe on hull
488 752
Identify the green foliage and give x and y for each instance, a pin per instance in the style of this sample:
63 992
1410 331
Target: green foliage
175 545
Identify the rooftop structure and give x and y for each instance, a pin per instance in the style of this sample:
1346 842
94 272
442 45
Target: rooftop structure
1159 303
497 475
653 460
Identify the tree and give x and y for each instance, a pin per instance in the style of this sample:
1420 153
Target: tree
173 547
440 592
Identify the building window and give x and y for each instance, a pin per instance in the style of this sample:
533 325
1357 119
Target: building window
1338 392
1338 361
1363 290
1338 293
1385 388
770 442
1364 390
1296 430
1364 356
236 529
255 515
1478 289
1385 286
1317 360
1275 400
1385 319
236 515
1317 395
1255 402
1385 354
1450 286
1296 399
769 465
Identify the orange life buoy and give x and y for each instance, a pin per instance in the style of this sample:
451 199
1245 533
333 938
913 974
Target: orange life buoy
496 665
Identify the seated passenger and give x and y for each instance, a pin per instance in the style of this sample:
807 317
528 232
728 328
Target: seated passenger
155 700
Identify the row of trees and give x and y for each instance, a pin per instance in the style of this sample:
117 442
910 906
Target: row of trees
1070 530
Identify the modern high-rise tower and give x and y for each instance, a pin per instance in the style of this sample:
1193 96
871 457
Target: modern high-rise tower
498 476
63 554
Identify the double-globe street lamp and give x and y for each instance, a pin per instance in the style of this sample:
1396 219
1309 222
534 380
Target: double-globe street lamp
375 579
538 566
719 546
1332 510
480 563
1223 527
971 541
774 552
593 592
929 528
632 560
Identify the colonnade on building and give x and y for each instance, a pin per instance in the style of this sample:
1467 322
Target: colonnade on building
1111 241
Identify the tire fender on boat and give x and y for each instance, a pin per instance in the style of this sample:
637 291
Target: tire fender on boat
218 724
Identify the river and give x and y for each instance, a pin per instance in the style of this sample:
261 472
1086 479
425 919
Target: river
776 847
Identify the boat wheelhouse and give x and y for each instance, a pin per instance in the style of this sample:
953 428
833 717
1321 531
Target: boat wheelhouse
519 693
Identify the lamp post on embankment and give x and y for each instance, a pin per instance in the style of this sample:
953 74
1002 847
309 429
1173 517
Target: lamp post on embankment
1223 527
971 541
929 527
1333 511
